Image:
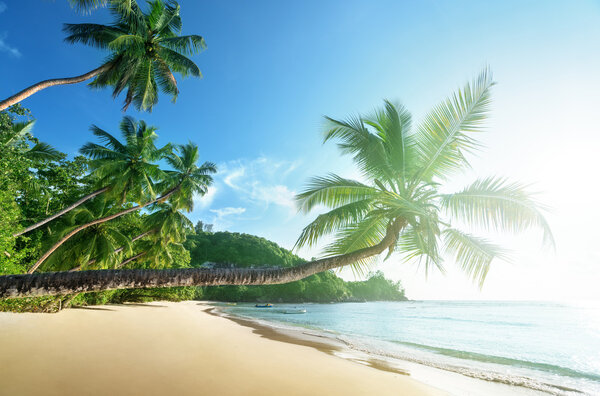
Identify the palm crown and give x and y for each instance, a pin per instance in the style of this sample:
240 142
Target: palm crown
405 168
187 177
145 47
129 166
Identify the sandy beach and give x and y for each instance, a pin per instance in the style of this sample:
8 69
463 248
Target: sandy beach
172 348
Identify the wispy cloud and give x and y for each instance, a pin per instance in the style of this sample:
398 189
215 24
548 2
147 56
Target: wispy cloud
248 190
228 211
224 217
4 47
278 194
261 180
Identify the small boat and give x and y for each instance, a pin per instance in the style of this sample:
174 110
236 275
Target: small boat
294 311
231 304
264 305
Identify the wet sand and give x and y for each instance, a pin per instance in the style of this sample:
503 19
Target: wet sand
176 348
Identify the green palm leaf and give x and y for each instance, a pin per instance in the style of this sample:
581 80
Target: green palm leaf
353 237
334 220
332 191
496 203
472 254
444 137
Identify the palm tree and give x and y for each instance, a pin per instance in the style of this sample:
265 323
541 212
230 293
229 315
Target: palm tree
145 50
185 179
400 207
125 169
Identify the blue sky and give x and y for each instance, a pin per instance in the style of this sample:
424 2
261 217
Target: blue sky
272 69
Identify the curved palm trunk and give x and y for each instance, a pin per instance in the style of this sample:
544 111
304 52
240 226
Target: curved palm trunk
116 250
27 92
57 283
62 212
98 221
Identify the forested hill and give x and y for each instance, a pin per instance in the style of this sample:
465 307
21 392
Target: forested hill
243 250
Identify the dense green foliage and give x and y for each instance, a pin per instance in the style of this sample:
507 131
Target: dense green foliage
37 181
31 187
242 249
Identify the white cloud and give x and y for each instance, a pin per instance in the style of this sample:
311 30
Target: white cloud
228 211
232 176
277 194
224 217
261 180
4 47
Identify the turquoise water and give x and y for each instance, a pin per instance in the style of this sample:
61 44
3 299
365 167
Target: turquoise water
551 347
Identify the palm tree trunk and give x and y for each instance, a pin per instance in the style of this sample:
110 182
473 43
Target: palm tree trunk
116 250
62 212
57 283
27 92
99 221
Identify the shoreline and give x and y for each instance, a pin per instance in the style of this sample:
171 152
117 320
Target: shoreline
452 382
172 348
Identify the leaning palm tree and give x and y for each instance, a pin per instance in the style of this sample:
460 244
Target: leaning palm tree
399 208
145 48
186 175
123 169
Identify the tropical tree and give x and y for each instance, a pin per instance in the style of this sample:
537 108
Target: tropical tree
145 49
400 207
123 169
186 179
406 171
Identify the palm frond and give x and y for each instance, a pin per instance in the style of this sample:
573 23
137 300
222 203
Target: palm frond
332 191
472 254
368 232
179 63
17 132
187 45
95 35
393 126
443 137
44 152
333 220
496 203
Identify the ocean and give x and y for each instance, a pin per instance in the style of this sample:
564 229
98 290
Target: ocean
549 347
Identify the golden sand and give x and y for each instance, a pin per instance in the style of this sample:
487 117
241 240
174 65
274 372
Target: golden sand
171 349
